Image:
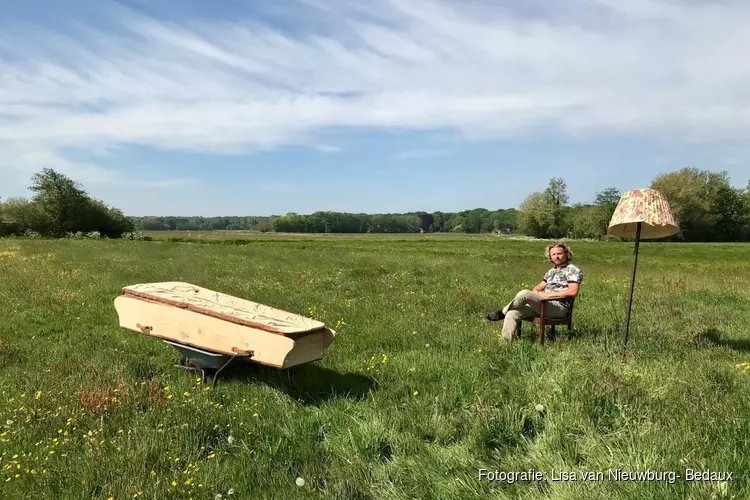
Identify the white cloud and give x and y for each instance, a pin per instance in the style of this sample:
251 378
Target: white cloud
19 163
652 67
326 148
422 153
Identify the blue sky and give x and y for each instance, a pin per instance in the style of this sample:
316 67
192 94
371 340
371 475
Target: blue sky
238 107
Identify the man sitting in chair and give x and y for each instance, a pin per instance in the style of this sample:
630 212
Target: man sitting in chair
561 284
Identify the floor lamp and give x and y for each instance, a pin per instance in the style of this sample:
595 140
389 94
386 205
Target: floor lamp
640 214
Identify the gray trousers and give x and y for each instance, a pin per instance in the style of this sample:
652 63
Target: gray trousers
527 305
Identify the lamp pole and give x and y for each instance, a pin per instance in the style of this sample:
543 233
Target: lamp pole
630 296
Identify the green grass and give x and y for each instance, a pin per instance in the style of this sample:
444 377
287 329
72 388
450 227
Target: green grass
418 391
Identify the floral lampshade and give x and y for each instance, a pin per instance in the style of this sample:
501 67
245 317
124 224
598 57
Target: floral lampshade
647 206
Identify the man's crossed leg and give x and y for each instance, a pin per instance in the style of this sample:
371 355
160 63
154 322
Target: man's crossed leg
526 305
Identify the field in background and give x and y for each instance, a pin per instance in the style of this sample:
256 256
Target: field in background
418 391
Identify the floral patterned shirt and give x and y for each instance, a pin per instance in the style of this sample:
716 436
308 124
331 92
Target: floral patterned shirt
558 279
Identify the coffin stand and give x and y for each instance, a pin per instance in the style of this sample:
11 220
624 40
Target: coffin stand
214 330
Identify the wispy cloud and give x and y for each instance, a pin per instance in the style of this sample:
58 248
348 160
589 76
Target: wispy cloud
586 67
422 153
327 148
20 162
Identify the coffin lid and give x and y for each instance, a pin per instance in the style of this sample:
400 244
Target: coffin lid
220 305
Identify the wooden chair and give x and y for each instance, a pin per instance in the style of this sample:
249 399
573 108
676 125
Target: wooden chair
542 321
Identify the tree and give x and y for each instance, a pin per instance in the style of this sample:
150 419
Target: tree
61 199
425 221
606 203
109 222
535 216
556 197
505 220
586 221
556 193
473 219
22 214
458 224
705 205
152 224
730 215
61 206
263 226
544 214
438 222
608 198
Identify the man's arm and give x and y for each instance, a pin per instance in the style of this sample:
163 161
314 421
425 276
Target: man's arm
571 291
540 287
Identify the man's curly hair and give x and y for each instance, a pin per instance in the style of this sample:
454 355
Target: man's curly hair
566 249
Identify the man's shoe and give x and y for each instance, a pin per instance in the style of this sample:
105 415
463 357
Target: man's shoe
495 316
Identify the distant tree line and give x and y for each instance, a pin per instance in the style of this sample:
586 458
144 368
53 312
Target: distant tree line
479 220
705 205
469 221
231 223
60 208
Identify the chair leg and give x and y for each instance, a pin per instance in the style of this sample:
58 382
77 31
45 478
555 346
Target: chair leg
541 324
552 334
541 332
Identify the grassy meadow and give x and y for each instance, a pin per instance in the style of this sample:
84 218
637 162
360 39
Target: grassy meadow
418 391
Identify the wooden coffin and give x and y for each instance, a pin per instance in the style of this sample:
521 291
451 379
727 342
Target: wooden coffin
214 321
